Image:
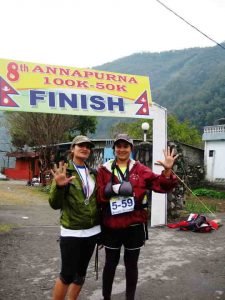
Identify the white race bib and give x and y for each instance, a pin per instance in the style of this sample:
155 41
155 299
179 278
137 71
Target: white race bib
120 205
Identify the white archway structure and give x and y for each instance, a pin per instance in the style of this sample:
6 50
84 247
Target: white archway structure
159 201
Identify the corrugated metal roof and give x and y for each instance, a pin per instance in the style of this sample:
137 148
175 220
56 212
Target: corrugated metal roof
18 154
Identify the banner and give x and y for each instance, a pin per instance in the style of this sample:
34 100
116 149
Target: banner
44 88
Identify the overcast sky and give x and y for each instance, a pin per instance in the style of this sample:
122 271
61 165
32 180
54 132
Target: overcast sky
87 33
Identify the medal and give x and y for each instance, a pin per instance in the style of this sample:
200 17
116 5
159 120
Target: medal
86 201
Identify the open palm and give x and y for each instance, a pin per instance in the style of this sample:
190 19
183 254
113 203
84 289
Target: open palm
59 174
169 158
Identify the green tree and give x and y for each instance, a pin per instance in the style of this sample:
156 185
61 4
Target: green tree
132 128
177 131
37 129
183 132
45 130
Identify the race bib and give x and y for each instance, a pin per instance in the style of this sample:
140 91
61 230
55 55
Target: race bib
120 205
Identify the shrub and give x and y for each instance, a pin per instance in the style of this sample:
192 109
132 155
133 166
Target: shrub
209 193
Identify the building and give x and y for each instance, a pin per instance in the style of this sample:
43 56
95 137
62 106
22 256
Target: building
28 163
214 162
26 166
5 145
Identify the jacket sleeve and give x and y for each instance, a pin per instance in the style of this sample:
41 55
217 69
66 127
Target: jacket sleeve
101 183
160 183
57 195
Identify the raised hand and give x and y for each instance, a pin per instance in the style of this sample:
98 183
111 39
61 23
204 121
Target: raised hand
59 174
169 159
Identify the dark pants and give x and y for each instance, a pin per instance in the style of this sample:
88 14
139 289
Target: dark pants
130 261
132 238
75 255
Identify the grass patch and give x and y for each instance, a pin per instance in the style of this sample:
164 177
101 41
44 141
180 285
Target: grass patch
194 206
20 195
5 228
45 189
203 200
209 193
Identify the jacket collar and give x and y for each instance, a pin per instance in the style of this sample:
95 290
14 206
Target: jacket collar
108 164
71 168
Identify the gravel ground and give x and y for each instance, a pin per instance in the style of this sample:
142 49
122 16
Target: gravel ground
173 265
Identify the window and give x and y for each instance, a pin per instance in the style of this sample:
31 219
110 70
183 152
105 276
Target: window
211 153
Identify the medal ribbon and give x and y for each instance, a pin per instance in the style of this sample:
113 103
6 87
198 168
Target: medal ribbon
85 186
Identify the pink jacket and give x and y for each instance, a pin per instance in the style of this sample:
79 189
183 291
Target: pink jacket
142 179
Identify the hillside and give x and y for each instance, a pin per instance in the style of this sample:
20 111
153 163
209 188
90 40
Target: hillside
189 83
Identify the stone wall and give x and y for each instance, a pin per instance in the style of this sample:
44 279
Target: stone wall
189 168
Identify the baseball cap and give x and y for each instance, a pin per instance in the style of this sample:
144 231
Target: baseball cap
123 137
79 139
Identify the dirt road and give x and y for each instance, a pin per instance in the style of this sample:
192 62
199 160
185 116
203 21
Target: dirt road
173 265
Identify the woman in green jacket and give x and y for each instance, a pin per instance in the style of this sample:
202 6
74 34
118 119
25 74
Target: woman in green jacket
73 191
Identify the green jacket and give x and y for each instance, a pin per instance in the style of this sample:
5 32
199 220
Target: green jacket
70 200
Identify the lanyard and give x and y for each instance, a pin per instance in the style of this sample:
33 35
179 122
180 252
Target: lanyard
122 177
85 185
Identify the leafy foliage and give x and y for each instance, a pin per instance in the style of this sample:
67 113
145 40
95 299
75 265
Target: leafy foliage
38 129
183 132
177 131
132 128
209 193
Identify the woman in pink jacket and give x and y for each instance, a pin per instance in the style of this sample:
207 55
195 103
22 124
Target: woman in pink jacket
122 186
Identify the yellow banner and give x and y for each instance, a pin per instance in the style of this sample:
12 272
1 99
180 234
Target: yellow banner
46 88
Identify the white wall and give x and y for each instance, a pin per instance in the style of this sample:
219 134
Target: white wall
215 165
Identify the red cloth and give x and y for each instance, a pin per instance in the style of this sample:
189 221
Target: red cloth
206 226
213 223
177 225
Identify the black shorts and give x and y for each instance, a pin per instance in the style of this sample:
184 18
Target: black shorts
75 256
131 238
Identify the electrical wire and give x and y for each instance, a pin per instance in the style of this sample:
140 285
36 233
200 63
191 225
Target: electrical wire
176 14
